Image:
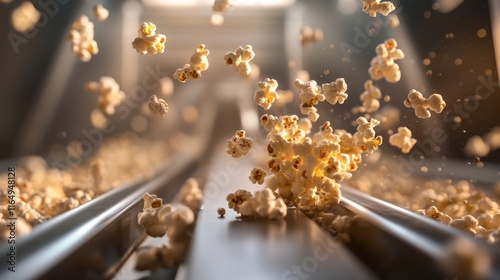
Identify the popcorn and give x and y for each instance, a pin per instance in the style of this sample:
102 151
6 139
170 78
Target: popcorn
393 20
310 95
402 139
240 59
476 147
264 204
166 86
372 7
25 17
335 91
221 212
190 195
257 176
365 135
267 93
422 106
308 35
98 119
82 40
370 97
492 138
463 257
198 62
219 8
157 106
147 41
109 94
239 145
148 218
383 65
100 13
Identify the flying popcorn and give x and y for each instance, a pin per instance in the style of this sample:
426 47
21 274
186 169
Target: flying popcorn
239 145
109 94
402 139
372 7
198 62
310 95
147 41
335 91
422 105
383 65
370 97
240 59
100 13
266 95
82 40
309 36
219 8
257 176
25 17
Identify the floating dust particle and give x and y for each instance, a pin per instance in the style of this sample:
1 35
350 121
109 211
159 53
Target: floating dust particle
439 169
326 71
458 61
332 46
427 14
344 59
428 72
488 72
437 149
387 98
481 33
432 55
424 169
426 62
464 131
390 132
292 64
62 135
435 6
480 164
457 119
139 123
449 35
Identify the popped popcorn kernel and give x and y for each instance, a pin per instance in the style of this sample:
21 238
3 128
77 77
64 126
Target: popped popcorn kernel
284 97
266 95
257 176
109 94
370 97
310 95
240 59
98 119
219 8
25 17
309 35
402 139
383 65
147 41
365 136
422 105
82 40
476 147
335 91
100 13
372 7
198 62
157 105
239 145
263 204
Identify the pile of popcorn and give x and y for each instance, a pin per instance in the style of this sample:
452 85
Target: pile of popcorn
383 65
82 40
147 41
198 62
175 220
263 204
43 192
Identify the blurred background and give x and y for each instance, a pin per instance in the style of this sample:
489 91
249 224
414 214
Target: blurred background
449 48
